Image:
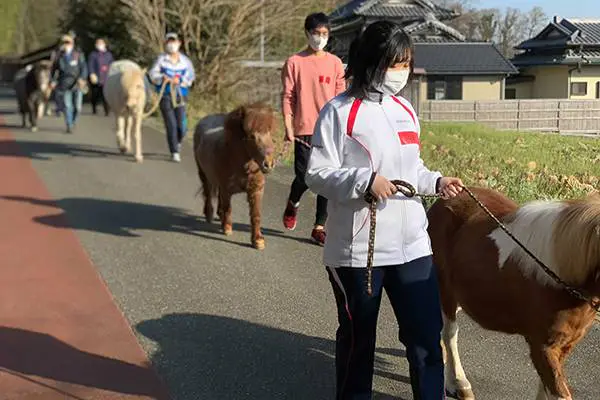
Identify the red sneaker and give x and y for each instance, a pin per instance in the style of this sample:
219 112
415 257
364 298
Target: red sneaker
318 236
289 216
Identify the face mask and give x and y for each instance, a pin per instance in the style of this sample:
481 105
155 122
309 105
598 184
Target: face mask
101 47
394 82
317 42
172 47
67 48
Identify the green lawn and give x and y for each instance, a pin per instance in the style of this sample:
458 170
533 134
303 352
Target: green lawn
523 165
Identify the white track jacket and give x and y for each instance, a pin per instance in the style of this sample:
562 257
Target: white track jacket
352 139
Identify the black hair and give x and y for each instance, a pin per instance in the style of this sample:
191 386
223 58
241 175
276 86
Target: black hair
381 45
315 20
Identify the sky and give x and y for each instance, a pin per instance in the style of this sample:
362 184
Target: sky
562 8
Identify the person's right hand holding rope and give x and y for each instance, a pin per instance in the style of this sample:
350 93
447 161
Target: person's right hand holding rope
382 188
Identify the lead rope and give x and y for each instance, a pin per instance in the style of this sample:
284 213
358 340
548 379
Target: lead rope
161 93
286 146
409 191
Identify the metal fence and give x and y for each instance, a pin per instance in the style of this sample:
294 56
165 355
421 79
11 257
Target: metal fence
550 115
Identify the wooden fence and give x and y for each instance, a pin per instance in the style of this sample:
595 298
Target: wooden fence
550 115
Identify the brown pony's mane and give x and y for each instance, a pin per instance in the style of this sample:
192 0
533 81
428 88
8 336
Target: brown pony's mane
577 240
256 117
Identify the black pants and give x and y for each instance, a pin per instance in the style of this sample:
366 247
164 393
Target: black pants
413 292
175 122
97 97
301 156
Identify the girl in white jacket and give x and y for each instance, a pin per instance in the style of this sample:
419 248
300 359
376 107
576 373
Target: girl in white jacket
363 139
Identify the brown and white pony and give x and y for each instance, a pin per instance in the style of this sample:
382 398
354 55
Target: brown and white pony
233 153
498 285
32 88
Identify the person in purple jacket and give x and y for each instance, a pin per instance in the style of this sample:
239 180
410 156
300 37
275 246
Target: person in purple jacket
98 65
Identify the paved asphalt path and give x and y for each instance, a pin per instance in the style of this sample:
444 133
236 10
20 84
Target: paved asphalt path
218 319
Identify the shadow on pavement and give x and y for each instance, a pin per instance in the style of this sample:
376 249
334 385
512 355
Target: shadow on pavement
41 355
212 357
124 218
44 150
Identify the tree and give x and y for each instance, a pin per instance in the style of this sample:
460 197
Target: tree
36 24
487 26
91 19
535 20
510 31
218 34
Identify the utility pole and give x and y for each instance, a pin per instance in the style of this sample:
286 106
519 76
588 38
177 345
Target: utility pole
262 31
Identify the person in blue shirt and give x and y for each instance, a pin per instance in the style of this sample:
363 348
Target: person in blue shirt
69 75
176 71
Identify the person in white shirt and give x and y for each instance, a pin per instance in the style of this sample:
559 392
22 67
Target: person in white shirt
178 72
363 139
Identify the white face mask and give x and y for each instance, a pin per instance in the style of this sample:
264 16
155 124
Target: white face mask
101 47
317 42
67 48
393 82
172 47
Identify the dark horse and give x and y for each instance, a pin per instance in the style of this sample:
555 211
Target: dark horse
32 87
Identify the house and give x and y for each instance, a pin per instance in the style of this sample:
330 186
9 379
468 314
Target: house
447 65
560 62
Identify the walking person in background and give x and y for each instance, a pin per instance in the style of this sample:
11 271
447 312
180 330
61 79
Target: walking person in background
98 65
69 76
176 71
364 139
310 79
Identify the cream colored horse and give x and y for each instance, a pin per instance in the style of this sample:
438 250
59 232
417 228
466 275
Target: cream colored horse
125 93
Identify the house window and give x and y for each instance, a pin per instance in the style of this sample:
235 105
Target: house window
444 88
578 88
510 93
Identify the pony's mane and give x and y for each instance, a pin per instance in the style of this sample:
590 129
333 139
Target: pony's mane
256 117
577 239
564 235
259 117
132 78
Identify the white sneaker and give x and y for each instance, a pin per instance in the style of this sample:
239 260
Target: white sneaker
176 157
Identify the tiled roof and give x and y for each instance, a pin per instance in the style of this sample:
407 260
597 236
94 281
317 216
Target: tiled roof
571 32
391 8
433 25
462 58
524 60
590 31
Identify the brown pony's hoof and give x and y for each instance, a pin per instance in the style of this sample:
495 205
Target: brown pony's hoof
228 230
259 244
462 394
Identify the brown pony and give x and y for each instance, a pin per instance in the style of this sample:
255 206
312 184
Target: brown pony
502 288
233 153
